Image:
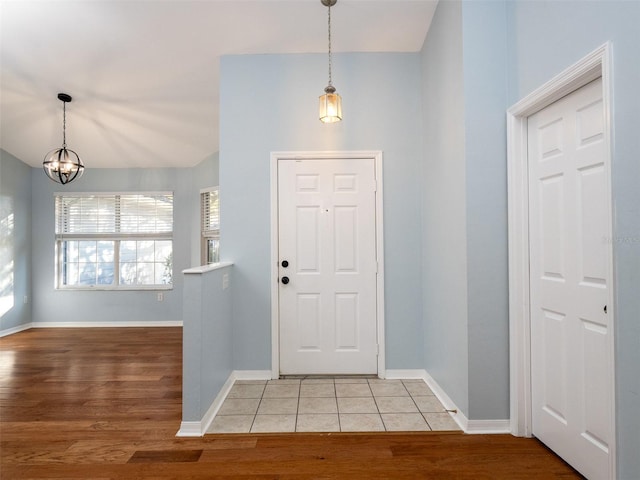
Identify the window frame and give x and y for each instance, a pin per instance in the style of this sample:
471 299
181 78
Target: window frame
115 237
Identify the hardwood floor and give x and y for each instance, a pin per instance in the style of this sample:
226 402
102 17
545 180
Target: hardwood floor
105 403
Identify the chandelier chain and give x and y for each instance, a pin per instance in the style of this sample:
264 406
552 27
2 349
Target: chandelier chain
329 27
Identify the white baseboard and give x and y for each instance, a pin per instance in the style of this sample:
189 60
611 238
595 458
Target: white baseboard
190 429
27 326
19 328
467 426
488 426
198 429
457 414
407 374
163 323
207 420
251 374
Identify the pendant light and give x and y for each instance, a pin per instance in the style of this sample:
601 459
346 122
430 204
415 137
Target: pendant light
330 103
63 165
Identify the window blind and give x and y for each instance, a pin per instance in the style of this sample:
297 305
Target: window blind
210 212
113 214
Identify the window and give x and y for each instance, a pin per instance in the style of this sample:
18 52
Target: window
114 240
210 214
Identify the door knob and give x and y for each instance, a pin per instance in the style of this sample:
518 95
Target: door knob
285 280
285 264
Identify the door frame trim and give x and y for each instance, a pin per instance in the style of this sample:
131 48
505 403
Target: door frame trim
376 156
595 65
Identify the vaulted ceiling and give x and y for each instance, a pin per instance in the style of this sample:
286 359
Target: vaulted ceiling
143 74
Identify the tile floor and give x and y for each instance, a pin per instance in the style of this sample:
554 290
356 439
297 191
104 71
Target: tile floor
330 405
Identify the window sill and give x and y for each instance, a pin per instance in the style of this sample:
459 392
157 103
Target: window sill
109 288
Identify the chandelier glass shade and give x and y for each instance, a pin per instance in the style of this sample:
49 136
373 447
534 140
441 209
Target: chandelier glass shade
63 165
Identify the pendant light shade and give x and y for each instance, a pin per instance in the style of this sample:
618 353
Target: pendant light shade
330 104
63 165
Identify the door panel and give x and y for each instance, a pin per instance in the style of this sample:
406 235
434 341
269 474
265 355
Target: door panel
308 322
593 221
308 239
551 227
347 321
326 215
555 335
346 236
569 280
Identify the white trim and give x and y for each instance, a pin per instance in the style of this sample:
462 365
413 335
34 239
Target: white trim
468 426
328 155
275 306
213 409
596 64
252 375
578 75
206 268
162 323
117 288
200 428
449 405
519 302
484 427
19 328
380 259
411 374
190 429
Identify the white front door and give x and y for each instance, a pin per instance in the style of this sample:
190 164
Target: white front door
327 266
571 363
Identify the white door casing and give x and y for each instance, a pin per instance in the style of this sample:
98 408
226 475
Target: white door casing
569 280
593 254
327 318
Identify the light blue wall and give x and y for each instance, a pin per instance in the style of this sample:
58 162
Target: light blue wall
444 227
207 335
545 38
206 174
51 305
465 289
269 103
484 26
15 243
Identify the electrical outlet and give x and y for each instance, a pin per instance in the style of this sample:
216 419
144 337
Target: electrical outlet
26 299
160 296
225 281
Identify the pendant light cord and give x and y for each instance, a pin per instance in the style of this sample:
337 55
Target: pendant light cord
329 27
64 124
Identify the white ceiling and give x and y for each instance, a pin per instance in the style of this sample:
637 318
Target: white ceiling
143 74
